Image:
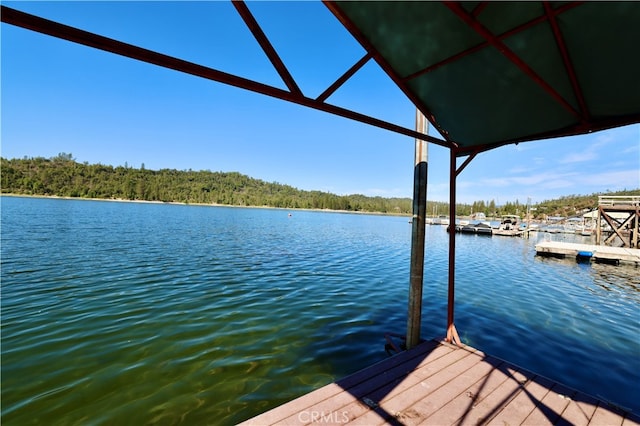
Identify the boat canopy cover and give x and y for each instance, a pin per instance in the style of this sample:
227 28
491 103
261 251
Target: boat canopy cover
487 74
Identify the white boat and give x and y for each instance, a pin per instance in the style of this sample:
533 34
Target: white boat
509 226
509 222
441 220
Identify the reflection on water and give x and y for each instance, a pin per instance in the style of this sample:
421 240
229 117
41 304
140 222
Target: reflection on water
619 279
150 313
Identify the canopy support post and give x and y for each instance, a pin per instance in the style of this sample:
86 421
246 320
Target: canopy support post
452 333
417 234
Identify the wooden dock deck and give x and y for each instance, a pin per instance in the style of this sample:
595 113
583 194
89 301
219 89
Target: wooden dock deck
441 384
599 253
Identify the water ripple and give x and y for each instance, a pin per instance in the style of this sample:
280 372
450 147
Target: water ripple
139 313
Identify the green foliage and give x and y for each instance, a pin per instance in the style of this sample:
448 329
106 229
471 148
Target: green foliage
573 205
63 176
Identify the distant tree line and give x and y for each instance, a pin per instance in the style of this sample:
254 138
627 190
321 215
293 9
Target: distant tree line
566 206
63 176
575 205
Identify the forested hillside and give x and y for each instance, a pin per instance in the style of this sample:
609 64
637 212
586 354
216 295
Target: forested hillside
570 205
63 176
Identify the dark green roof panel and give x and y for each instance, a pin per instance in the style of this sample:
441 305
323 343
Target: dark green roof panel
408 36
500 17
606 54
507 71
532 46
499 89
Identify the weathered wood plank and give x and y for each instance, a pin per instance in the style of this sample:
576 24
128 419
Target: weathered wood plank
605 415
459 409
551 407
350 404
398 403
377 397
291 409
579 410
382 366
485 409
442 384
524 403
459 385
631 420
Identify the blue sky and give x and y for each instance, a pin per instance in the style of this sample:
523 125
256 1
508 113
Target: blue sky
102 108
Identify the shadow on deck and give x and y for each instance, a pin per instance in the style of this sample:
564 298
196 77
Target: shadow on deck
441 384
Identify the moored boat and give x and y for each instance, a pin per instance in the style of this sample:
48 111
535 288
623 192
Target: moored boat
480 228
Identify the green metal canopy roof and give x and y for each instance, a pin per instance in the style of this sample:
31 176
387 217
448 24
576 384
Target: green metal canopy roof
485 74
490 73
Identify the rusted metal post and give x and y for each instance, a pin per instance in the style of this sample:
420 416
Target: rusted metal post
452 334
417 234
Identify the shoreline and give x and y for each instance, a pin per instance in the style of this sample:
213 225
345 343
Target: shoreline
179 203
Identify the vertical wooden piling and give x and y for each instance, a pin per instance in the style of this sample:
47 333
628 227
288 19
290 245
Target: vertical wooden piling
635 228
599 226
417 234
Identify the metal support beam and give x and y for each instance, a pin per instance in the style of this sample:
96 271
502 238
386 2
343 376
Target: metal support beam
346 76
266 46
568 64
417 234
334 7
466 162
65 32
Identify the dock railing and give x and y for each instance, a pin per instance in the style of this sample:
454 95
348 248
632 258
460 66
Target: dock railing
611 200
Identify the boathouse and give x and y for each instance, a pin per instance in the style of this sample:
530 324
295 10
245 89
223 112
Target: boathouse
484 74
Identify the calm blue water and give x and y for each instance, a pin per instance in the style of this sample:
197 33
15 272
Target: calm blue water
152 313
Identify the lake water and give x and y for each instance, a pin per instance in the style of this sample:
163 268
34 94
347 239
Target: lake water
132 313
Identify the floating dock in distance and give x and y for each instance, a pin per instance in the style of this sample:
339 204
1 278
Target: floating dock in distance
589 252
436 383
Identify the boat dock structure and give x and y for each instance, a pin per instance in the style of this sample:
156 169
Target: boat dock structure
479 54
622 216
437 383
589 252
